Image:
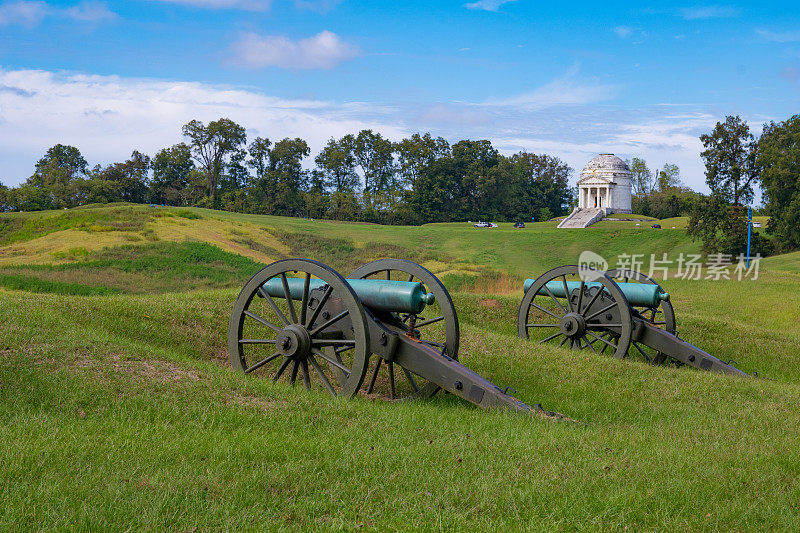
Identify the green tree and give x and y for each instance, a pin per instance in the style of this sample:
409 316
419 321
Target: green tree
539 182
57 174
374 155
336 164
212 145
669 177
126 181
478 186
730 158
721 226
4 199
417 152
172 169
280 177
286 160
641 177
779 159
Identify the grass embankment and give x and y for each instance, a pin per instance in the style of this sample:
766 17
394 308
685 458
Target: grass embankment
121 411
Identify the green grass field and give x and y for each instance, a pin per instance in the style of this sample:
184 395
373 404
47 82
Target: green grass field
120 410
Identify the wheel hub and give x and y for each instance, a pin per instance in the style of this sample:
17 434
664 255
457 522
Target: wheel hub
294 342
573 325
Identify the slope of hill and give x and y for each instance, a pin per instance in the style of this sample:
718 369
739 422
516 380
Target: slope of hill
120 410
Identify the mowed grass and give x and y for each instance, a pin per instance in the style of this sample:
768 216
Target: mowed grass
121 411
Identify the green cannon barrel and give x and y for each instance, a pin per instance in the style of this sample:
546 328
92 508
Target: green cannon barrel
377 294
641 294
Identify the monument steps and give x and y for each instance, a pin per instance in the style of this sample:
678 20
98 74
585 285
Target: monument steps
582 217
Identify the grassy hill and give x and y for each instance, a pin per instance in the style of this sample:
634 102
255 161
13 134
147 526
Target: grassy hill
120 411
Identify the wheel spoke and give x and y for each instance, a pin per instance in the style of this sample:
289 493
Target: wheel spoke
274 307
429 321
551 337
539 307
320 305
337 351
641 352
262 362
566 293
295 368
330 322
602 339
593 300
262 320
289 300
410 277
306 376
332 361
550 293
374 375
392 392
321 374
281 369
603 310
565 339
410 379
304 303
542 325
256 341
388 274
589 344
580 295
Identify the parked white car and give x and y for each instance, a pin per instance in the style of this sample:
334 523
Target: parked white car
485 225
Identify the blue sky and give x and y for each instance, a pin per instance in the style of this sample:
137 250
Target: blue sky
571 80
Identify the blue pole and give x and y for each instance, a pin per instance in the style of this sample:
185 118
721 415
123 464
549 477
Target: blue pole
749 229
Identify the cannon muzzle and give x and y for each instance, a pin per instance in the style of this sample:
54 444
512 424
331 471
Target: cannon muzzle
640 294
376 294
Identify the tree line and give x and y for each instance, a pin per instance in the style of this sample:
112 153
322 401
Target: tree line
358 177
736 163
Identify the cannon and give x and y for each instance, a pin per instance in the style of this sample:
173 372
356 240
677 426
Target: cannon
622 311
298 318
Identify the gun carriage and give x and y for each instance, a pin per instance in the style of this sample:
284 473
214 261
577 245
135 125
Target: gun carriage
300 319
623 312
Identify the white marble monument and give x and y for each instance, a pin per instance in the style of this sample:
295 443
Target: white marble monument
605 183
604 188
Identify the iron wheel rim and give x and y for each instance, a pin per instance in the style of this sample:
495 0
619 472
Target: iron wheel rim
350 372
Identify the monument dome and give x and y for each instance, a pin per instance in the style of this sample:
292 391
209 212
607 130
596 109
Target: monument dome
605 183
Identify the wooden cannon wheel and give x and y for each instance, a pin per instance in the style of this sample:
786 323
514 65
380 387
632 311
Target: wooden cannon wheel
275 337
662 316
579 318
438 328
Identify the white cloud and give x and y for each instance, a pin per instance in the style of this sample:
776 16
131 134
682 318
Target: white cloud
322 51
623 31
487 5
248 5
779 37
564 90
707 12
107 117
90 11
25 13
29 14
